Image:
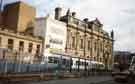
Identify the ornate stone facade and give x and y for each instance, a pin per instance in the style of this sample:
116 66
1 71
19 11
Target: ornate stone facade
87 39
19 46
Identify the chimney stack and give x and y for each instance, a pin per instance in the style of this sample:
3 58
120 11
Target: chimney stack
73 14
58 13
85 19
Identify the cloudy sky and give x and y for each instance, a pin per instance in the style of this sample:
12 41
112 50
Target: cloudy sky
118 15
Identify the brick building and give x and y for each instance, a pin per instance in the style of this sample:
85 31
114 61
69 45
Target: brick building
16 33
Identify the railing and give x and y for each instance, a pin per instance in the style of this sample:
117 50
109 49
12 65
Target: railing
12 64
10 67
15 67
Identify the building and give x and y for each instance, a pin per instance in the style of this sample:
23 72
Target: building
87 39
19 17
53 32
16 34
20 32
123 56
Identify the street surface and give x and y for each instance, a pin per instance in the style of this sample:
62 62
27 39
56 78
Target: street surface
90 80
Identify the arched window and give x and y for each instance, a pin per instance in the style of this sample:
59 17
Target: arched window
30 47
73 42
95 45
88 44
81 43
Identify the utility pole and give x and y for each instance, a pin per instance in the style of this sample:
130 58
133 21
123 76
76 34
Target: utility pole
71 63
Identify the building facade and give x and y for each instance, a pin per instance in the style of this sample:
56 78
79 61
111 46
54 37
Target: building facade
87 39
16 34
53 32
19 17
123 56
84 39
81 38
22 47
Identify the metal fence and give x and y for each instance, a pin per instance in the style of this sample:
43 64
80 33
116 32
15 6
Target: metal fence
9 67
11 63
13 67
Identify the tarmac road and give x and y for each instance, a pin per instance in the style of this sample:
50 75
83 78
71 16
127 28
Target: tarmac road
90 80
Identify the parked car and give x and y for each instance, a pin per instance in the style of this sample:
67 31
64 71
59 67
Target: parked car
120 72
132 68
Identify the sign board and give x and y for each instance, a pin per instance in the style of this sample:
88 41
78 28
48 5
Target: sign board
55 35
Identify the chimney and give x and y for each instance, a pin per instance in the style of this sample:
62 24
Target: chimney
85 19
58 13
68 12
73 14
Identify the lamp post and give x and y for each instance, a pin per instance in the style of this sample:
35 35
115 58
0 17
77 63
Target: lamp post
78 65
71 62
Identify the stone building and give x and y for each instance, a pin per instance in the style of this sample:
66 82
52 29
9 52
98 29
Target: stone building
54 33
16 33
87 39
84 38
123 56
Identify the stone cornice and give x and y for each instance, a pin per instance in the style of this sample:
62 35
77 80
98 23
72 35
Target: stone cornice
19 35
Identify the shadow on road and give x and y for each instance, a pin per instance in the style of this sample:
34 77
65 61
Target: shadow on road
115 82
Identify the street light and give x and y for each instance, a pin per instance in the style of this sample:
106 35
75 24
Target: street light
71 63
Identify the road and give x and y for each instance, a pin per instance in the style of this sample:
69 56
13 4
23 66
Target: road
113 82
90 80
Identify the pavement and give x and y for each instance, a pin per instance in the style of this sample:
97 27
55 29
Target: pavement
89 80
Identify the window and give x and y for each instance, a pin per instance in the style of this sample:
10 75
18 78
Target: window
81 44
10 44
68 42
64 61
77 62
110 50
56 60
21 46
30 47
51 60
88 45
94 58
87 63
101 47
38 49
95 46
73 42
100 59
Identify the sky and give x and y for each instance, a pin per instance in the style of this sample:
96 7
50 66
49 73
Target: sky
117 15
